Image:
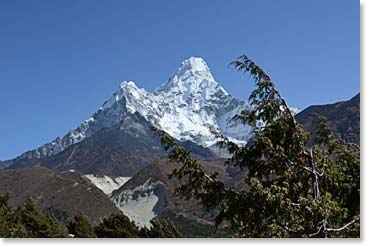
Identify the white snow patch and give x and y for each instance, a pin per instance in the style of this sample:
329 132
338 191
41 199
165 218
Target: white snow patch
295 110
105 183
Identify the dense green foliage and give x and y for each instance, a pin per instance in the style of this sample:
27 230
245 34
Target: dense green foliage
30 222
80 227
27 221
291 190
117 225
161 229
120 226
193 229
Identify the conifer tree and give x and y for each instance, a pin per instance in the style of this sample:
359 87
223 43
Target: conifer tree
10 223
27 221
80 227
117 226
292 190
161 228
39 224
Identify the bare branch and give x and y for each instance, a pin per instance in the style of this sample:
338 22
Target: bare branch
305 168
341 228
328 229
295 204
317 232
287 228
209 178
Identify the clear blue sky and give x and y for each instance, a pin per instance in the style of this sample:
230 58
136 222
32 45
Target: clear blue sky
60 60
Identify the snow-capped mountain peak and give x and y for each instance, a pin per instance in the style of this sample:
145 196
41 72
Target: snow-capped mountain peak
194 66
189 106
193 76
125 88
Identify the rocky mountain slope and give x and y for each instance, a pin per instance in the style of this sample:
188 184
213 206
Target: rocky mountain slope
189 106
343 117
117 151
122 150
63 194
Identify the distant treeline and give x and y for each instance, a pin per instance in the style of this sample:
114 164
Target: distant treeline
28 221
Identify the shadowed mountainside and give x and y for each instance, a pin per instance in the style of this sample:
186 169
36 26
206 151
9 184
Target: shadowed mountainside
343 117
117 151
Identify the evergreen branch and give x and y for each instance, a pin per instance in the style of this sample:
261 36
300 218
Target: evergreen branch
245 64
